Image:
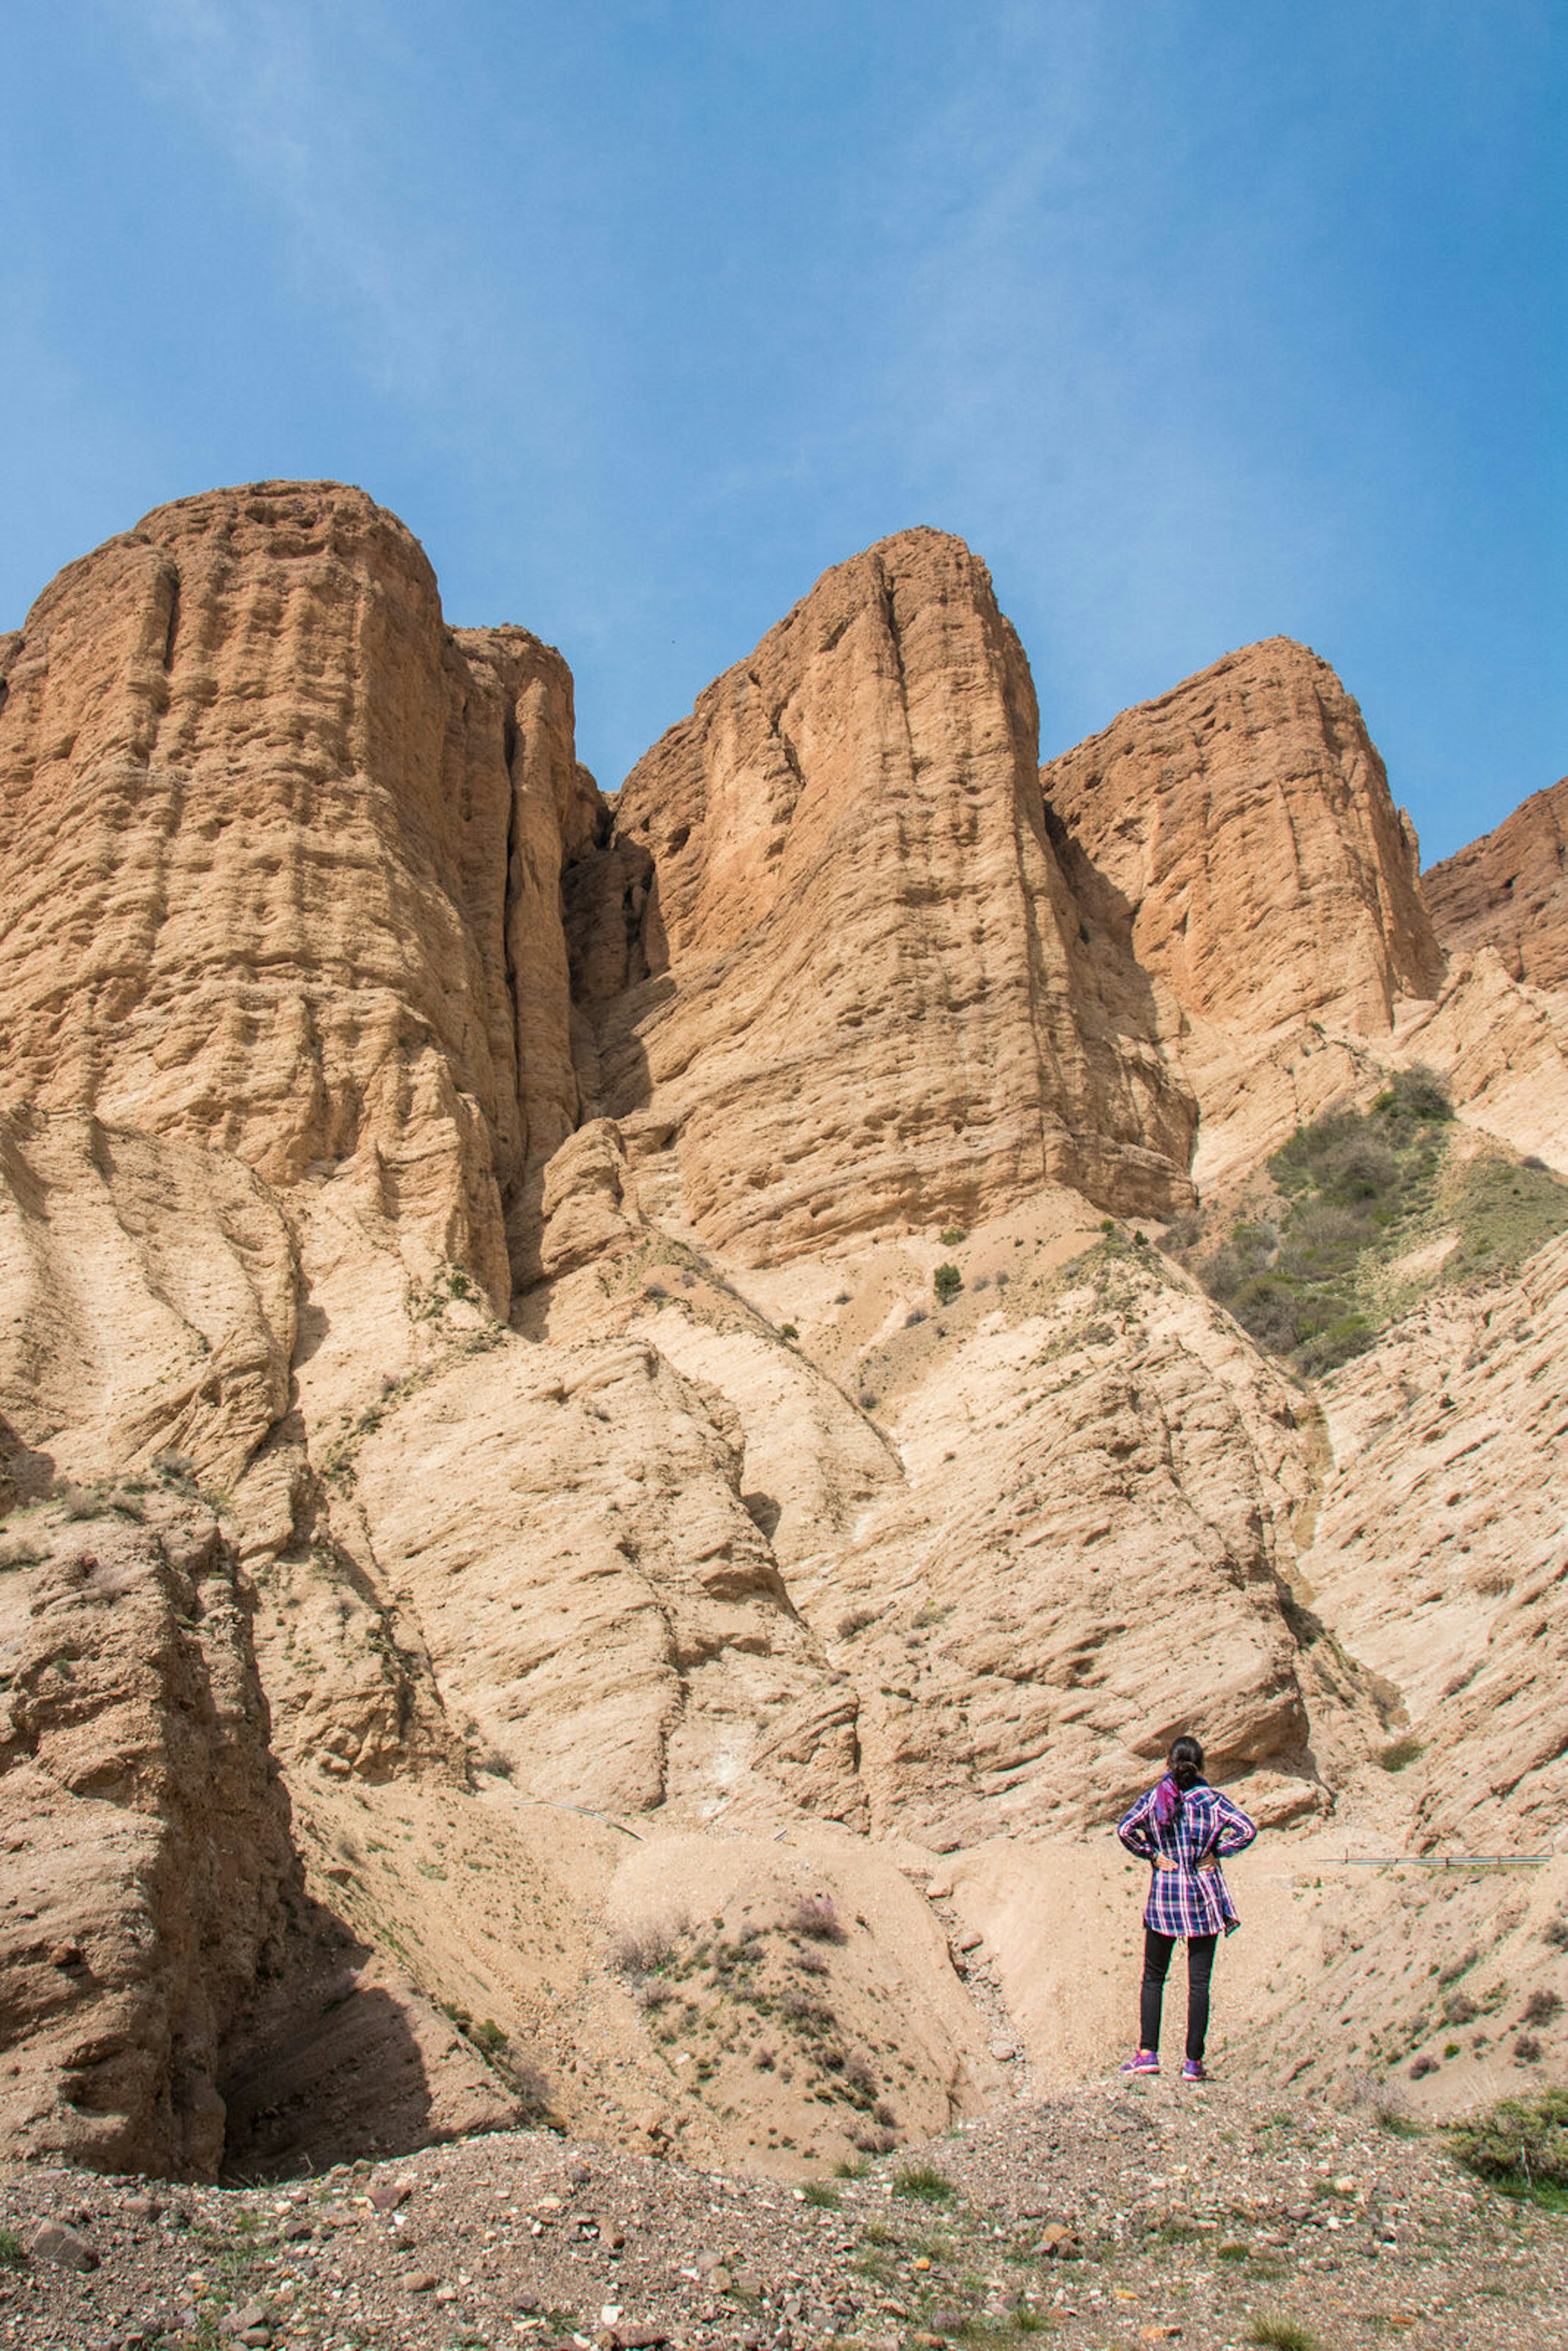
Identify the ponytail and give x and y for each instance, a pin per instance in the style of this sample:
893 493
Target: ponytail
1186 1763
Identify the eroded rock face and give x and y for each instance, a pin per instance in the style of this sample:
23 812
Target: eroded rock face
1509 891
638 1503
281 856
1239 834
1245 823
1439 1553
145 1852
833 965
594 1595
147 1302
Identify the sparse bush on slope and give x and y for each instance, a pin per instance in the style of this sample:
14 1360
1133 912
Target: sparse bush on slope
1356 1190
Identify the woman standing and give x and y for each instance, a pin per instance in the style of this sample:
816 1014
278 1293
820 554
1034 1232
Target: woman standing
1185 1828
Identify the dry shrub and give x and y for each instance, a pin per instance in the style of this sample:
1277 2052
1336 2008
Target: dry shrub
815 1917
642 1950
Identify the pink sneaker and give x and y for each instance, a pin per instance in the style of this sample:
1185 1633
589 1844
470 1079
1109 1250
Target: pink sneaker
1194 2069
1145 2061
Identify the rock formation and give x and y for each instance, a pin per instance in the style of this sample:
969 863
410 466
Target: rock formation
834 972
1509 891
281 854
1240 833
145 1849
572 1369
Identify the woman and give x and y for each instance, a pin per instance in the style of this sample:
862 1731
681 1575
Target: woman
1184 1827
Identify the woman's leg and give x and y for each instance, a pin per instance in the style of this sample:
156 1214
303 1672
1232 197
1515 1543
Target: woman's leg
1157 1949
1199 1968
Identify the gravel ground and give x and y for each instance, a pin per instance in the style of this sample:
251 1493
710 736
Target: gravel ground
1117 2215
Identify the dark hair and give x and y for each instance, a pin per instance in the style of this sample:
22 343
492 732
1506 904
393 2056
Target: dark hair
1186 1762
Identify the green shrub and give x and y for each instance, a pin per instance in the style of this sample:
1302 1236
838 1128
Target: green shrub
1519 2146
13 2252
952 1236
946 1281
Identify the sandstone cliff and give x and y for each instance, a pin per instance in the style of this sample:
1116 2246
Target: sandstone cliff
281 856
834 972
1240 831
1509 891
565 1369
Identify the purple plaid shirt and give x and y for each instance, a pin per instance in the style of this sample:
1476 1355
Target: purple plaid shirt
1186 1900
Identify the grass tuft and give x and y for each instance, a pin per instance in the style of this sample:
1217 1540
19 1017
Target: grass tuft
1282 2334
925 2185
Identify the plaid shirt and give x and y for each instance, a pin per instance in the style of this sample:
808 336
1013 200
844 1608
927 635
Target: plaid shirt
1184 1900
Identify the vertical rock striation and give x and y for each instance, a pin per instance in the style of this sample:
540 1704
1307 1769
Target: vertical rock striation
1239 835
282 857
1509 891
829 956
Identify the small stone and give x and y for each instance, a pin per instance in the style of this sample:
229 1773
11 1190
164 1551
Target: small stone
143 2208
390 2199
62 2246
1002 2050
250 2314
720 2279
445 2293
67 1955
422 2284
295 2232
971 1942
745 2282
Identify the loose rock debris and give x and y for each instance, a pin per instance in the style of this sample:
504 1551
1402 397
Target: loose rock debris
1103 2217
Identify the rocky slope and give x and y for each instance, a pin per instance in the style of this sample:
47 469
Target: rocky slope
605 1489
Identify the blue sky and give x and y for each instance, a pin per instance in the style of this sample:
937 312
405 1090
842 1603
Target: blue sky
1201 320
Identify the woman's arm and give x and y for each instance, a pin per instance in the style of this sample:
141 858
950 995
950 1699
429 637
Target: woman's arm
1236 1831
1134 1829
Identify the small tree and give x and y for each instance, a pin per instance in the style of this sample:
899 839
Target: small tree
946 1281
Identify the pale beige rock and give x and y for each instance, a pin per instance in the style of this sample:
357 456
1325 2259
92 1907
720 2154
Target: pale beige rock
147 1300
1439 1549
1502 1048
833 965
568 1526
1509 891
144 1845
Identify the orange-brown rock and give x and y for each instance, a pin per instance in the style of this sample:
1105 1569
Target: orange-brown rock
1245 825
1238 832
1509 891
280 855
836 976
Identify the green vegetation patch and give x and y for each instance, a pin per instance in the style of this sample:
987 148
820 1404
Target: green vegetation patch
1317 1277
1519 2146
927 2187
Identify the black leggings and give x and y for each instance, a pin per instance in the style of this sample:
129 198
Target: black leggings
1157 1949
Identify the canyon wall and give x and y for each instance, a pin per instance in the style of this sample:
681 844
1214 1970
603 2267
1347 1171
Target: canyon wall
281 854
834 972
564 1362
1509 891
